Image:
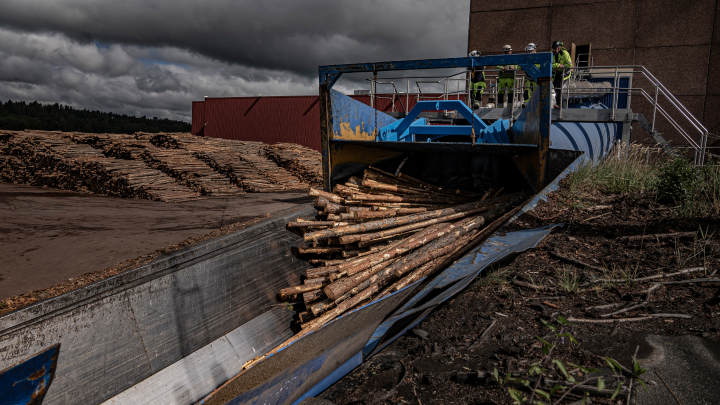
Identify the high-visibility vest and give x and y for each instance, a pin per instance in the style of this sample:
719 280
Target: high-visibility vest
561 58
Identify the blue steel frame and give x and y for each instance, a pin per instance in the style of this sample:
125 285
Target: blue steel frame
537 65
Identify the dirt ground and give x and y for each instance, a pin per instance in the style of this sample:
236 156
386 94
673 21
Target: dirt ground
49 237
445 361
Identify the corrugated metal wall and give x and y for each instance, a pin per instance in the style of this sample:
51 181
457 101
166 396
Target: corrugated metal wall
198 116
294 119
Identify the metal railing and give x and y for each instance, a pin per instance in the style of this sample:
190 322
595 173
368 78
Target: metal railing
690 131
664 104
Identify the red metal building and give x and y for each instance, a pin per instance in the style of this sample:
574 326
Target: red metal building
294 119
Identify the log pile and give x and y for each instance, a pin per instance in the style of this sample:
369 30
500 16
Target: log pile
381 233
163 167
303 162
53 159
242 162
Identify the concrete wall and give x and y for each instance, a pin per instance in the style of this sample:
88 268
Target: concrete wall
678 41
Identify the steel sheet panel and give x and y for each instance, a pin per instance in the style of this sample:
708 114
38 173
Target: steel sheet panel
293 119
198 117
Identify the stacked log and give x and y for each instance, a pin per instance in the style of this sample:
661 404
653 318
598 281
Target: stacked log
381 233
53 159
303 162
242 162
164 167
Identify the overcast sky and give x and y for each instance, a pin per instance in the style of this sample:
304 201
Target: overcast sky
153 57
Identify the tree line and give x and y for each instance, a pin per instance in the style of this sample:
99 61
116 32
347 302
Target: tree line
20 115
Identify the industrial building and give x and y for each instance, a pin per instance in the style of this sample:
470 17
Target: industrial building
650 34
678 41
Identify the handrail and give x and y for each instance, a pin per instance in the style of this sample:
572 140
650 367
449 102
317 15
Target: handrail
618 71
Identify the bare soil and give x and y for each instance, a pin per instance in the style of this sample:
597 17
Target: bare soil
55 241
451 365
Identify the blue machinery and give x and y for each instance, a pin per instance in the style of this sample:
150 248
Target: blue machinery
355 135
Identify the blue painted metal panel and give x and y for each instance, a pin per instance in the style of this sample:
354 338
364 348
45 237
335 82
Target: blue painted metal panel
389 132
622 96
354 120
595 140
329 74
29 381
454 105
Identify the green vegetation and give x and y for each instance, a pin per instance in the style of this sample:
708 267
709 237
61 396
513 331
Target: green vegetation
18 116
568 280
526 388
692 190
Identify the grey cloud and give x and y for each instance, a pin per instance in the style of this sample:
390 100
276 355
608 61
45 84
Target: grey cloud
293 35
152 58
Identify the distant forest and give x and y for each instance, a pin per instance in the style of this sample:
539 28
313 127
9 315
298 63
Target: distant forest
20 115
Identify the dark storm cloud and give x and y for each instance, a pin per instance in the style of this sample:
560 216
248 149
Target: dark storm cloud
157 55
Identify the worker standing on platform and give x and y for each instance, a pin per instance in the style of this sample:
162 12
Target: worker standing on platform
530 85
477 83
506 79
561 60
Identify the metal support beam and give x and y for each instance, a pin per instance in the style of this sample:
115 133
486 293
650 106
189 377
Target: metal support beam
331 73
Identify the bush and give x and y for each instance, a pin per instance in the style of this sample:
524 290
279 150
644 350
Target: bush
694 190
676 180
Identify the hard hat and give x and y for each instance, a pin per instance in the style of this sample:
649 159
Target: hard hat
531 47
474 54
557 44
507 48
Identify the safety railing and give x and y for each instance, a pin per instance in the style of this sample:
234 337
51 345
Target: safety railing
663 103
690 128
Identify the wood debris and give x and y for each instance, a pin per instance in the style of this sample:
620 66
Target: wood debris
376 235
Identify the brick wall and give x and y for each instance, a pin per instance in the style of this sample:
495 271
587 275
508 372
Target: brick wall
678 41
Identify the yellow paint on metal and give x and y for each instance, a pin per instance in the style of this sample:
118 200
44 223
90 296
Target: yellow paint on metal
356 134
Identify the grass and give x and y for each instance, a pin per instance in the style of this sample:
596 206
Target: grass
495 274
624 170
701 250
568 280
693 191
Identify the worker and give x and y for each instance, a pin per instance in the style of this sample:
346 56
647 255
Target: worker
561 60
477 83
530 85
506 79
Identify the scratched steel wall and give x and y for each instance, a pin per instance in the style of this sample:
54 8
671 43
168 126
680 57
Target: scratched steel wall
124 329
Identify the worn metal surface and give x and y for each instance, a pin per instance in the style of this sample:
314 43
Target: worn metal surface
533 127
119 331
354 120
284 377
501 149
192 377
28 382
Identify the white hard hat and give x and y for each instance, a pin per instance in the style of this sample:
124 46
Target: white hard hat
531 47
474 54
507 48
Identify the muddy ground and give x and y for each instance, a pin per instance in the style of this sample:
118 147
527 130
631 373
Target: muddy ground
444 360
55 241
